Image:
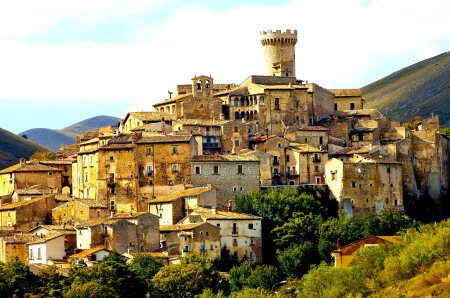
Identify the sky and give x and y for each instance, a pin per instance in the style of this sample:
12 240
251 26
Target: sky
62 62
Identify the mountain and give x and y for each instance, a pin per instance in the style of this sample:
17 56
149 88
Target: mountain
53 138
14 147
421 89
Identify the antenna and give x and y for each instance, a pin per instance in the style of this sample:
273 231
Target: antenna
170 93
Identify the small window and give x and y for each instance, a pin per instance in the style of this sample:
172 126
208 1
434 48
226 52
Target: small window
175 168
234 241
149 151
320 140
353 184
240 169
250 226
388 170
198 170
392 185
395 202
277 103
279 145
252 241
387 200
50 173
288 158
170 182
234 188
92 160
111 158
236 143
215 170
352 106
236 128
211 247
174 150
367 200
218 225
112 205
240 188
98 213
261 100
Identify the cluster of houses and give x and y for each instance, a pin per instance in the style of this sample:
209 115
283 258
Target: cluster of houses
165 182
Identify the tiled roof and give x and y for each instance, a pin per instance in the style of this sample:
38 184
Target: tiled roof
201 122
238 91
183 227
164 139
173 99
47 237
87 252
128 215
151 116
260 138
66 229
18 238
376 159
282 86
225 158
345 92
365 112
56 162
210 213
30 166
188 192
27 191
304 148
352 150
91 203
21 203
305 128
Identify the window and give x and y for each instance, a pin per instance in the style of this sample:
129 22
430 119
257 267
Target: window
316 168
252 240
215 170
149 151
112 205
277 103
236 128
236 143
352 106
261 100
388 170
175 168
111 178
211 247
387 200
234 188
84 161
288 158
236 102
98 213
353 184
31 256
111 158
218 225
50 173
149 171
279 145
174 150
39 255
240 169
170 182
86 177
320 140
186 248
250 226
234 241
395 202
92 160
335 107
198 170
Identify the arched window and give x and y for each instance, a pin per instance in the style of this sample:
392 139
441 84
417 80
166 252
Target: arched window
236 101
251 115
242 101
199 85
247 115
236 115
242 115
248 102
261 100
207 84
255 115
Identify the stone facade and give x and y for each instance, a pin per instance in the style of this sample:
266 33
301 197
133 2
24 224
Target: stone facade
78 211
15 246
365 184
230 175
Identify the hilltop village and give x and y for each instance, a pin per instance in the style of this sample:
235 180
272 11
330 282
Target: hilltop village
165 181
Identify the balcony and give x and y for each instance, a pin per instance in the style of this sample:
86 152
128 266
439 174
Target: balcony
234 231
149 174
316 159
291 174
211 145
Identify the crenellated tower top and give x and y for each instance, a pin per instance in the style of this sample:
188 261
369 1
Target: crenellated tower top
279 52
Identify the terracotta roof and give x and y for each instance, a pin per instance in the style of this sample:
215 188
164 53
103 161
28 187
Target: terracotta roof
173 99
259 138
30 166
225 158
376 159
201 122
47 237
22 203
304 148
188 192
282 86
365 112
164 139
27 191
345 92
305 128
183 227
237 91
128 215
56 162
210 213
87 252
151 116
37 267
18 238
91 203
66 229
352 247
352 150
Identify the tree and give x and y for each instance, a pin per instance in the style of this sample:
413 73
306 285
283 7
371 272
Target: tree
226 260
24 136
39 155
52 282
145 267
186 280
298 229
296 260
263 277
17 279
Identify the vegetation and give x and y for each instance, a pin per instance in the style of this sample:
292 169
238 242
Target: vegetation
39 155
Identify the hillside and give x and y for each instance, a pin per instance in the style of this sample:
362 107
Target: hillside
420 89
14 147
53 138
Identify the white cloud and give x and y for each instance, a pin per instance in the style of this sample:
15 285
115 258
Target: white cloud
339 44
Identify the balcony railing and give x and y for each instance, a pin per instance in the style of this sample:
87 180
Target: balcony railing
211 145
234 231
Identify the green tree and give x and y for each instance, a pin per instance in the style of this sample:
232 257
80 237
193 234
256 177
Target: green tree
238 276
226 260
329 282
298 229
296 260
263 277
39 155
144 266
24 136
17 279
52 282
186 280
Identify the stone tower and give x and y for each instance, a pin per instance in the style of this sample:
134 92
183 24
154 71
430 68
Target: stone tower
279 52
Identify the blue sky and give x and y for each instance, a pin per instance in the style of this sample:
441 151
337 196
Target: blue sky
65 61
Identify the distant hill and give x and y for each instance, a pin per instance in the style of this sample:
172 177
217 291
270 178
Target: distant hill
14 147
53 138
420 89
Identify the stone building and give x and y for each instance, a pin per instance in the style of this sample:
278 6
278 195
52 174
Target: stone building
199 104
153 121
365 184
184 239
279 52
15 245
124 233
78 211
27 214
46 247
173 207
240 233
29 173
230 174
347 99
305 164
